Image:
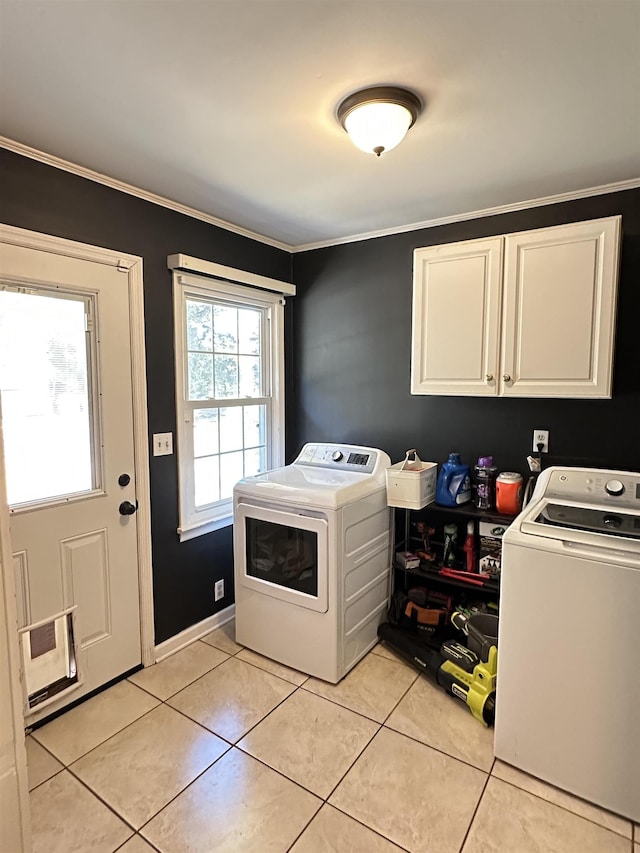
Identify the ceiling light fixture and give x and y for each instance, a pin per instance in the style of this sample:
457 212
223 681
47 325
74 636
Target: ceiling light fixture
377 119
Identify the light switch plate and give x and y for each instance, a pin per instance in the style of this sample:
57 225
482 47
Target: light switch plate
162 443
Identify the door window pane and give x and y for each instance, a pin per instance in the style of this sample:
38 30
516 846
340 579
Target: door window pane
45 383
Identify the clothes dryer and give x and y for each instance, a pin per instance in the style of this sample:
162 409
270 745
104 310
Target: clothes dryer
312 556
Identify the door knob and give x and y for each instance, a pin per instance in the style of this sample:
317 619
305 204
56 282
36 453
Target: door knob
506 377
127 508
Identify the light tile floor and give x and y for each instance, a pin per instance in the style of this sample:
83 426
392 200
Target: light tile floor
219 749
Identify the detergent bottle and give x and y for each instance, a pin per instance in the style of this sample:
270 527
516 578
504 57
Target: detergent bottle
454 482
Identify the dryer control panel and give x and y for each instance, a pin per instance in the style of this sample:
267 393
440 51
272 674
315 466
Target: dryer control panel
340 457
592 486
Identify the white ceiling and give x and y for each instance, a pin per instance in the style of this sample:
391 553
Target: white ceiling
228 106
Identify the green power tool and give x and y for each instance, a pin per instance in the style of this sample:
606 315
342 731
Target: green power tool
468 674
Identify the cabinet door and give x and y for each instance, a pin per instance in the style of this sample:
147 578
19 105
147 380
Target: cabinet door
559 310
456 317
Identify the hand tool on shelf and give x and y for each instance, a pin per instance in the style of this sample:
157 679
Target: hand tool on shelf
468 577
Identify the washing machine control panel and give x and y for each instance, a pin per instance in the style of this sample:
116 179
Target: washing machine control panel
341 457
595 486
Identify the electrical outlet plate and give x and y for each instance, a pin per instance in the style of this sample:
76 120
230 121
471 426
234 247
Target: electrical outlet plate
541 436
218 590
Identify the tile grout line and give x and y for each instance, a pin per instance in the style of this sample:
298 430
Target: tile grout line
102 742
475 811
438 749
48 751
189 683
180 792
360 713
103 801
44 781
137 835
353 763
377 832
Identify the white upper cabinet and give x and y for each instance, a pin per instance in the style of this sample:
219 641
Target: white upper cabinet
523 315
457 291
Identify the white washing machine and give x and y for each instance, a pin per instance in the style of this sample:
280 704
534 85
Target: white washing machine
312 556
568 693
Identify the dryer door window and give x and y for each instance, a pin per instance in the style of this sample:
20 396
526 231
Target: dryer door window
286 556
283 554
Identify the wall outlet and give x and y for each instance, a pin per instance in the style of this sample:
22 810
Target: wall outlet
541 436
162 443
218 590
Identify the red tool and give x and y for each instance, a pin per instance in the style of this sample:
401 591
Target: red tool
469 577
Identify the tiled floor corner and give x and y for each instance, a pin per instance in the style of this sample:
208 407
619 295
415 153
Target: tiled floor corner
217 748
509 818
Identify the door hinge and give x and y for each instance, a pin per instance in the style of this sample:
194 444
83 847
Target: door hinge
123 266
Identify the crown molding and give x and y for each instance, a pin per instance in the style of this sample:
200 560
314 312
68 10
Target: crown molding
81 171
618 186
114 183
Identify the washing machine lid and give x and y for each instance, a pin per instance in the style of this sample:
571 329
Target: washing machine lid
327 476
589 519
598 508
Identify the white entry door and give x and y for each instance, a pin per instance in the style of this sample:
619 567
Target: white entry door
66 382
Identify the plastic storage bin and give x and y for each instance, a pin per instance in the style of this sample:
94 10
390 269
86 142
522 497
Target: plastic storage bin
411 484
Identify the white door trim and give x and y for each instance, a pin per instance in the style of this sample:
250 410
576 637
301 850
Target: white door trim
15 823
131 265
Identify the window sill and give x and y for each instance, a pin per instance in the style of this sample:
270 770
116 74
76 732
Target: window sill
191 532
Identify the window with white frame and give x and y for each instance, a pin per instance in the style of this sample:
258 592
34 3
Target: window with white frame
230 393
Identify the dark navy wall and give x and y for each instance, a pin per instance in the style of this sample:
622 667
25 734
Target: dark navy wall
347 351
41 198
352 355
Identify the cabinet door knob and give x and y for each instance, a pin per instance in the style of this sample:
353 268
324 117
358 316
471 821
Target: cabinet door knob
506 377
489 377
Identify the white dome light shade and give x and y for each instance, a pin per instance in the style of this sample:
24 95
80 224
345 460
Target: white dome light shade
377 127
377 119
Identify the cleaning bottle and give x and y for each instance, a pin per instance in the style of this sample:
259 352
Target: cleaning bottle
454 483
485 474
450 541
470 548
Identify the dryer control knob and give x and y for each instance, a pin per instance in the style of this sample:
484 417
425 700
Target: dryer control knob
614 487
336 455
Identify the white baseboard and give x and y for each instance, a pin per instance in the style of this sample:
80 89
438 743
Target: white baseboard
195 632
